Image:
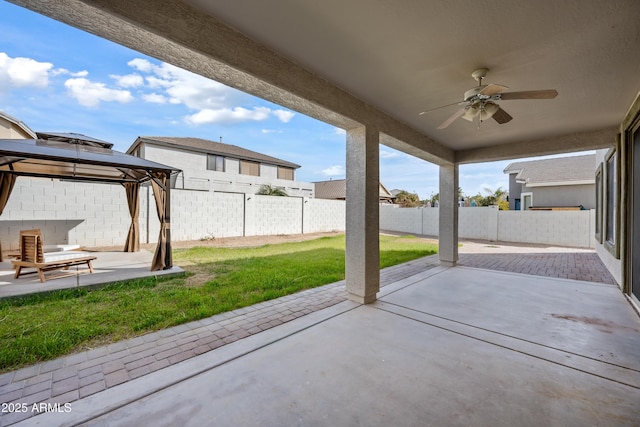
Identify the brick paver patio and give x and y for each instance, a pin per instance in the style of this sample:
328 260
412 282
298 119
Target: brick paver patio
76 376
565 265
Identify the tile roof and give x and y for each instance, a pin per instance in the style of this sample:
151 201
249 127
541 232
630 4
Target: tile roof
212 147
337 189
559 169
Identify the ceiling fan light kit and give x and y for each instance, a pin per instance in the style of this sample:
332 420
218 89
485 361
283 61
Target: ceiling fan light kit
482 101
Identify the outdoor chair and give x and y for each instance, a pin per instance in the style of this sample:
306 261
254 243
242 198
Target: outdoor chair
33 256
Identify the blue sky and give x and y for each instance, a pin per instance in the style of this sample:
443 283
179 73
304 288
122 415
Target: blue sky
56 78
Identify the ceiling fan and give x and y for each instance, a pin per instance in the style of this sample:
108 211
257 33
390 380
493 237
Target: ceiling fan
481 101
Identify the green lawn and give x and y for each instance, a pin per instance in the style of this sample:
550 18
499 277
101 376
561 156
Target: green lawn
42 327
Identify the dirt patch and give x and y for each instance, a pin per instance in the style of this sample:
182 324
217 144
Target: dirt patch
229 242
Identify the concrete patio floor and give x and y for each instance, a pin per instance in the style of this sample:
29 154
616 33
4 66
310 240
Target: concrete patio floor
109 267
456 346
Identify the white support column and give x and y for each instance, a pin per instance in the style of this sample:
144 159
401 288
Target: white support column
448 228
363 215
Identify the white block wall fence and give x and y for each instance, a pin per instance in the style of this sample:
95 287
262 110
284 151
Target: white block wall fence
561 228
91 214
97 214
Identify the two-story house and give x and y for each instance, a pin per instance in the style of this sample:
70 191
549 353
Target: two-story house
215 166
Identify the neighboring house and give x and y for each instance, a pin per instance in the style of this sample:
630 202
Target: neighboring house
563 182
336 189
214 166
12 128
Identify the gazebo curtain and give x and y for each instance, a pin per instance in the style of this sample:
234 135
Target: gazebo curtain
162 259
132 244
7 181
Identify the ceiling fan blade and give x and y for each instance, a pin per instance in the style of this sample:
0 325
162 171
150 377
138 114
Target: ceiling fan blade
437 108
530 94
492 89
452 119
502 116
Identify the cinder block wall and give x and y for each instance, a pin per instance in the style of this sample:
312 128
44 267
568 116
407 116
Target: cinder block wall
272 215
66 213
90 214
321 215
562 228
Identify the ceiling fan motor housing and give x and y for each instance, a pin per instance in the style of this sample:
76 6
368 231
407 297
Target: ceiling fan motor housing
474 94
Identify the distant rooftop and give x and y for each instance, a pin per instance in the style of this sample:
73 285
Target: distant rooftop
559 170
212 147
337 189
22 125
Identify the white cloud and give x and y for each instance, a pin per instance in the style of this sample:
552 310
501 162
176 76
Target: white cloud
141 65
271 131
339 131
64 71
211 101
23 72
283 115
228 116
335 170
155 98
388 154
90 94
130 80
156 83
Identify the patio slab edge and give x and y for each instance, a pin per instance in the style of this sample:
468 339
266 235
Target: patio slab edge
91 407
175 271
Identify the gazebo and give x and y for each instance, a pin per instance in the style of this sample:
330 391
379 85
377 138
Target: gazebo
79 158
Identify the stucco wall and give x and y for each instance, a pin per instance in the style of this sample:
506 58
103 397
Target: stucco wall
515 189
613 264
9 130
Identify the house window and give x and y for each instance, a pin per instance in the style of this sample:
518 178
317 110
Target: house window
215 163
610 210
599 204
249 168
285 173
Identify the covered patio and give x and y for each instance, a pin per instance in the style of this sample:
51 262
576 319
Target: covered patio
371 70
453 345
445 346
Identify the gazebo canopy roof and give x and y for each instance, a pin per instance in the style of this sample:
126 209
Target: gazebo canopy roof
64 159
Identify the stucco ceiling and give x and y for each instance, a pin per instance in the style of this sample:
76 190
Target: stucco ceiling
407 56
383 62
